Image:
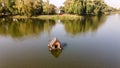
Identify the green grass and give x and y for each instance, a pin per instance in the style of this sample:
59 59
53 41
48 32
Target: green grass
53 17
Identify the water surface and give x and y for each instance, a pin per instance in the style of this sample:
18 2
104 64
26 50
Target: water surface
92 42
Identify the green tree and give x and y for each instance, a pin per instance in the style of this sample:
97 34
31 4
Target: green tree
29 7
83 7
48 8
52 9
8 6
38 7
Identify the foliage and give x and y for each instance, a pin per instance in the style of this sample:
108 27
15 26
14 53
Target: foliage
48 8
83 7
21 7
7 6
37 7
30 8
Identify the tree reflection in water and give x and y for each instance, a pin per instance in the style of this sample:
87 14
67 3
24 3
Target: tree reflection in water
84 24
24 27
80 26
32 27
56 53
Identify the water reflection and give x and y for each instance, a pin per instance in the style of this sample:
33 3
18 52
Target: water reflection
55 47
24 27
99 51
84 25
17 28
56 53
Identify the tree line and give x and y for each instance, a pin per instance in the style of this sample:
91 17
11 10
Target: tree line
89 7
26 7
39 7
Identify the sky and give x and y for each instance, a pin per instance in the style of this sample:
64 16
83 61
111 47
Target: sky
57 3
113 3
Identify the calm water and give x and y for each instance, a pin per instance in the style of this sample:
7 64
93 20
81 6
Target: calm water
92 42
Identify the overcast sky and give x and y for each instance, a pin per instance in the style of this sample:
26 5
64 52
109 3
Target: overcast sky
57 3
113 3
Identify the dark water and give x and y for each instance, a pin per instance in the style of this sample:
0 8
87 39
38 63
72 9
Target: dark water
92 42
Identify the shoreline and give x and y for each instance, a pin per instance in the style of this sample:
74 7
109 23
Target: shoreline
47 17
53 17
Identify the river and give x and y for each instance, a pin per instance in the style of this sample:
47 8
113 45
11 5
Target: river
91 42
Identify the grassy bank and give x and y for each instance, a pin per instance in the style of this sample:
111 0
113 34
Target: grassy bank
54 17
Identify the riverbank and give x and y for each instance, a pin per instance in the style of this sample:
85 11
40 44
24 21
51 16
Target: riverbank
54 17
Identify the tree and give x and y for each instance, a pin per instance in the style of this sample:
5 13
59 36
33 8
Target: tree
52 9
38 7
48 8
7 6
29 8
83 7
